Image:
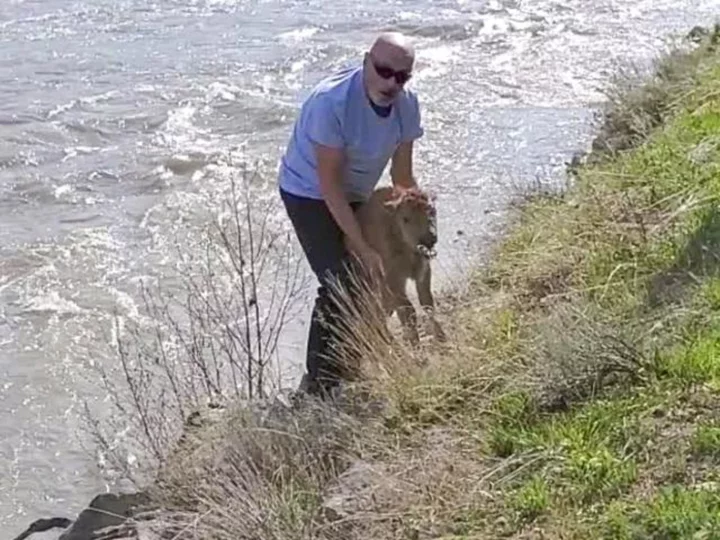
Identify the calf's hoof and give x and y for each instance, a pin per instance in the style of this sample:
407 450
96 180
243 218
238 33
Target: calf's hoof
439 333
412 336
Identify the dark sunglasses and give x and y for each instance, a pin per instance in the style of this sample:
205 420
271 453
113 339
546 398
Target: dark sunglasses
401 77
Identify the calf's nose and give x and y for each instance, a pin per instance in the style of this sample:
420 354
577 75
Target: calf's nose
429 239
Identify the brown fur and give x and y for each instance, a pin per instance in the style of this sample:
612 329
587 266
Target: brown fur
394 222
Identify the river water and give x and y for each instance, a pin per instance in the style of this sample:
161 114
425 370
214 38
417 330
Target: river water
100 100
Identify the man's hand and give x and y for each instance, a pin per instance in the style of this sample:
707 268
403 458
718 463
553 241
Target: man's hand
329 166
372 262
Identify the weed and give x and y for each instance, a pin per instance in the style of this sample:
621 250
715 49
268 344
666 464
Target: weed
707 440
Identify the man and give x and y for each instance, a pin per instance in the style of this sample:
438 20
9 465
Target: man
349 127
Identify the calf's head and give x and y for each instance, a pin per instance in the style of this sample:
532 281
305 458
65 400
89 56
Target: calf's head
415 217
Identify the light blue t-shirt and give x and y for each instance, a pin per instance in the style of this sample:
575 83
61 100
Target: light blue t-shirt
339 114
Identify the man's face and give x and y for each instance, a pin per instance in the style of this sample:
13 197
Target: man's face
387 71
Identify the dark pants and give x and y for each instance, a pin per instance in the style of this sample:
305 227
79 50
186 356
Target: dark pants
322 241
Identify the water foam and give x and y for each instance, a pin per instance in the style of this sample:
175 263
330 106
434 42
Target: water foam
299 34
180 134
437 60
221 90
89 100
51 302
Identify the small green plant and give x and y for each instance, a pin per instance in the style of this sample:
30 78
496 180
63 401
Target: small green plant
597 473
512 416
707 441
696 361
709 294
531 500
678 512
616 523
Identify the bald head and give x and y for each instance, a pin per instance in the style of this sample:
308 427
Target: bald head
393 46
388 66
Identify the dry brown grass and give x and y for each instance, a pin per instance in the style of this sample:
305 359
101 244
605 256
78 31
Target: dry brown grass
260 474
344 468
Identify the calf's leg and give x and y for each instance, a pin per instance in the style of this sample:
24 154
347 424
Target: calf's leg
405 310
423 280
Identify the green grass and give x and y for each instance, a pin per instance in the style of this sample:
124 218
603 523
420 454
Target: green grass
697 360
532 499
589 465
632 247
706 441
674 512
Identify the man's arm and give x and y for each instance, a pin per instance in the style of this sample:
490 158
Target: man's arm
401 171
329 168
326 135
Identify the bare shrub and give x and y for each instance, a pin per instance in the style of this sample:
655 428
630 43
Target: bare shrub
577 353
213 340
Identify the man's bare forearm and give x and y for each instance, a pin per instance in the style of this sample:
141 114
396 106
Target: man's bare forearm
401 169
329 172
343 214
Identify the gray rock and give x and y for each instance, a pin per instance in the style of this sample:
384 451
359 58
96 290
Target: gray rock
354 491
105 512
44 525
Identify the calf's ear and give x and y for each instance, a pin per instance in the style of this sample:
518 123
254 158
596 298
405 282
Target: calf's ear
392 204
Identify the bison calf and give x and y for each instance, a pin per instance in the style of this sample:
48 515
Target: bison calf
401 225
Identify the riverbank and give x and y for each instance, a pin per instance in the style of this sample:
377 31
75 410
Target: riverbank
578 397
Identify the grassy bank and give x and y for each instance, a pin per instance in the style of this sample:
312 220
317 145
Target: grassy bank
578 398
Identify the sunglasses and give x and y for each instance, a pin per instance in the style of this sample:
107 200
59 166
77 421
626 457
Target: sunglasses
401 77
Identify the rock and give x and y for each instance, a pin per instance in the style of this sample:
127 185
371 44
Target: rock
44 525
105 511
697 34
353 491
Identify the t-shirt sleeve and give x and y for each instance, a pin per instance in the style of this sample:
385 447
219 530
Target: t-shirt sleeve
322 123
412 127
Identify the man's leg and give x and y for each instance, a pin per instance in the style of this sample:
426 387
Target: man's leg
323 244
